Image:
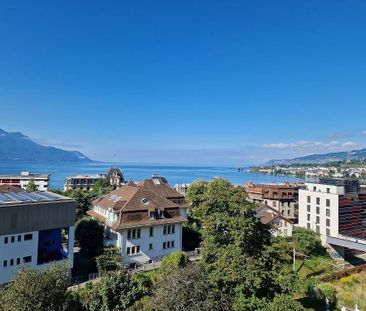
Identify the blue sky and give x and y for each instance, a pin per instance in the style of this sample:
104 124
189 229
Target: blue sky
199 82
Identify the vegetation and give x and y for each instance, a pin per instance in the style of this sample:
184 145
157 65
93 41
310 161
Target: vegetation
109 260
37 290
89 234
31 186
308 242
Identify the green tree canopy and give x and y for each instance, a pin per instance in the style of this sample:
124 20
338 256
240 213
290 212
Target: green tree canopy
31 186
308 242
36 290
89 234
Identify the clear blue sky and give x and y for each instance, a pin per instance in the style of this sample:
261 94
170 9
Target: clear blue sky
216 82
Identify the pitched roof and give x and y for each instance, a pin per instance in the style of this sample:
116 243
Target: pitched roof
268 216
157 185
130 197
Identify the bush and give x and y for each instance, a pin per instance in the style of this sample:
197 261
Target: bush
327 290
109 260
308 242
173 261
349 280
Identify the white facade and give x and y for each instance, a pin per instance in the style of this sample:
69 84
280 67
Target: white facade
318 208
41 181
144 244
18 250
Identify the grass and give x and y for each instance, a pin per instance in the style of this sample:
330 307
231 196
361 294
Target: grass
351 290
313 266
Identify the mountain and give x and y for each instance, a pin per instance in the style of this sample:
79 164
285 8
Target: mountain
323 158
15 146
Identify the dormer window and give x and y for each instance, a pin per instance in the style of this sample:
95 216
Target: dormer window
145 200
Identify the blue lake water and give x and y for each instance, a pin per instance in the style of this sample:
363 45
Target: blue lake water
174 173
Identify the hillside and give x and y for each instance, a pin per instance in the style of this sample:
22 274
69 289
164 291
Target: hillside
15 146
323 158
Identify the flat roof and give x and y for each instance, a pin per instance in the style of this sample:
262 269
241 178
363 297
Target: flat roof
19 176
30 197
87 176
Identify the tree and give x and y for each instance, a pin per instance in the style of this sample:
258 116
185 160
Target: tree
101 187
308 242
109 260
173 261
183 288
244 267
116 291
31 186
89 234
37 290
83 202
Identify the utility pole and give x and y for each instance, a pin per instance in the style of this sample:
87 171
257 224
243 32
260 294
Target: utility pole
294 259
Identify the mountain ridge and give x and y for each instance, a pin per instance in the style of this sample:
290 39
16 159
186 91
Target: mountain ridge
322 158
15 146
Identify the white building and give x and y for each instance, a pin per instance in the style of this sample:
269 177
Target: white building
40 180
31 225
141 221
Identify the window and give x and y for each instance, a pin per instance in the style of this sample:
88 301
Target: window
308 225
328 222
327 212
328 190
6 240
308 217
12 262
173 244
317 219
168 244
168 229
129 235
314 188
132 250
134 234
19 238
151 231
12 239
5 263
137 249
327 203
173 228
138 233
308 208
27 259
318 201
150 246
128 250
28 237
327 231
18 261
318 210
308 199
164 230
317 229
164 245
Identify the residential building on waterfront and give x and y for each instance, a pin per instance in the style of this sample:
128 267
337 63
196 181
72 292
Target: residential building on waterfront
181 188
280 225
22 180
31 226
281 197
87 182
144 220
335 209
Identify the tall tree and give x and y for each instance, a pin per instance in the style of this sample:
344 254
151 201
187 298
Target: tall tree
31 186
89 234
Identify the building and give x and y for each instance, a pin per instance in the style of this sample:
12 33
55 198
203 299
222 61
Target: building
336 209
281 197
21 181
82 182
141 220
115 177
87 182
181 188
31 226
280 225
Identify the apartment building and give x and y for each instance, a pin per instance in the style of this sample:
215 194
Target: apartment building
31 226
22 180
281 197
141 220
333 208
86 182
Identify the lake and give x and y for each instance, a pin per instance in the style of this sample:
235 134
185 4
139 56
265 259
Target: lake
174 173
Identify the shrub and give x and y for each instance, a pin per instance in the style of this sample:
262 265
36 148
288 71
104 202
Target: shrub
349 280
327 290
